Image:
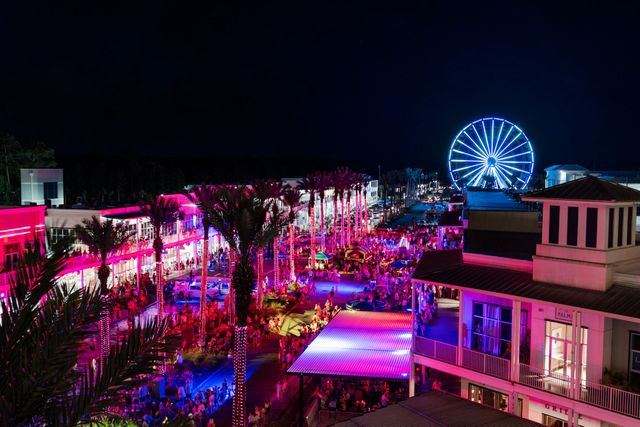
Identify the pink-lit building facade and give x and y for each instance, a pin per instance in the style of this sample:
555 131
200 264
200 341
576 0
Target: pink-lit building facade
182 242
554 339
19 227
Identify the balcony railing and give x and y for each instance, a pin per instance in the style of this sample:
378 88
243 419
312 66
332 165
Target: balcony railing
592 393
486 363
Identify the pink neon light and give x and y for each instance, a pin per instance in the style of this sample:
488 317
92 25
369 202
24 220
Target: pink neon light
360 344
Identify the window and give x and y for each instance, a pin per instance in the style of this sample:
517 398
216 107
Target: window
58 234
620 225
611 213
572 226
630 224
557 349
50 190
554 223
146 231
11 255
492 329
487 397
592 228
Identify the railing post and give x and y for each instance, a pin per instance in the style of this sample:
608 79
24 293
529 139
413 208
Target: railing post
514 374
460 329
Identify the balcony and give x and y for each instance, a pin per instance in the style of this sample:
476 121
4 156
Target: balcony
592 393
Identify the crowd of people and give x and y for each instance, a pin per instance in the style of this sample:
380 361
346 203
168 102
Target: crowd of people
358 395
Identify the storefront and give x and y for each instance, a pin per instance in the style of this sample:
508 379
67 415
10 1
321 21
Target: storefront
553 415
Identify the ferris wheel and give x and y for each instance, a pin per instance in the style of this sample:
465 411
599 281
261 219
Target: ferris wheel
491 153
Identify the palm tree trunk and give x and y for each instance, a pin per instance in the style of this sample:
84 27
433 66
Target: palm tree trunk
335 223
240 372
342 221
292 259
276 262
313 237
203 290
104 324
356 230
349 218
242 282
322 237
232 295
366 212
259 281
159 293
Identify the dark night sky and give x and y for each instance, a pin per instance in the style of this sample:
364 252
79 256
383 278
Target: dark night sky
388 83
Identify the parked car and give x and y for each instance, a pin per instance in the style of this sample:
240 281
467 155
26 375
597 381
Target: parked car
185 290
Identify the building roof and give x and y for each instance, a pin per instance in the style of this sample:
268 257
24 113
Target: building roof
492 200
587 188
124 215
359 344
436 409
569 167
449 269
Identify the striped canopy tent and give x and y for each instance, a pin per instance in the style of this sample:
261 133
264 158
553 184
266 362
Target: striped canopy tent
321 256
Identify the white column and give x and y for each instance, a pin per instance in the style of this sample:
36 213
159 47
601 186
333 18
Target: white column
515 352
412 377
460 328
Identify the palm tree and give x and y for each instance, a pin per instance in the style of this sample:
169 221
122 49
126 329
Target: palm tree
365 208
103 238
349 184
248 223
44 325
337 190
270 191
161 211
342 179
204 197
322 185
310 184
291 199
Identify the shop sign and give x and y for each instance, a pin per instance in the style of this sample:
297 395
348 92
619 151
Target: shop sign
564 314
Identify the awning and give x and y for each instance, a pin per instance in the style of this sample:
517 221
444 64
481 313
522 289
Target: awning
359 344
321 256
437 409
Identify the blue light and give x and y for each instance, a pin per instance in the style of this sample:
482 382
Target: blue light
507 156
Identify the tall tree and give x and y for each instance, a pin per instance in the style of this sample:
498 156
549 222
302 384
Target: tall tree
291 199
103 238
310 184
247 222
203 196
270 191
336 183
43 326
161 211
323 184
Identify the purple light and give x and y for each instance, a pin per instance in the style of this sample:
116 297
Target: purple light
360 344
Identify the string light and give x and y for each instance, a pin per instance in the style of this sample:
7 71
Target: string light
240 368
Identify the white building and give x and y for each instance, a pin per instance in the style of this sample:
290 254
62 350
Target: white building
554 339
42 186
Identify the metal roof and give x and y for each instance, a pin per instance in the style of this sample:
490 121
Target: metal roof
436 409
359 344
448 269
587 188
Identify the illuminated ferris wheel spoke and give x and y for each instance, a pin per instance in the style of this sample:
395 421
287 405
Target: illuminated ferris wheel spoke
515 169
493 157
502 152
484 153
505 139
470 155
482 156
486 140
480 140
476 179
502 159
504 176
466 167
476 169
